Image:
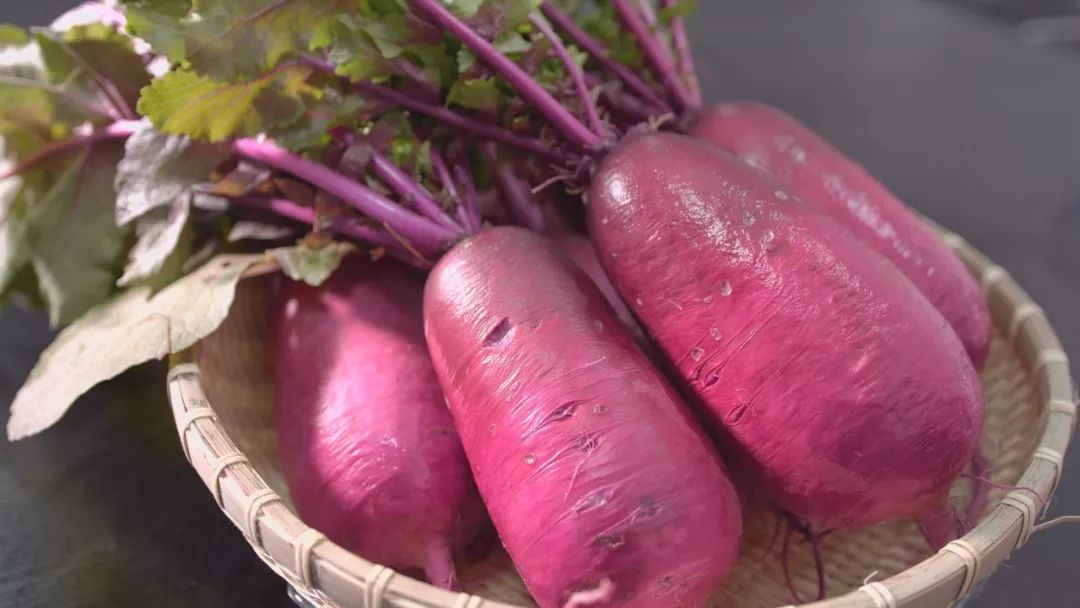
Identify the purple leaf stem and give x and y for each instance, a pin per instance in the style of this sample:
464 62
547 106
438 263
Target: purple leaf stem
407 188
596 49
577 76
658 56
559 117
422 232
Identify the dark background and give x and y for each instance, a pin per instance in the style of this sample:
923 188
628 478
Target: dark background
941 100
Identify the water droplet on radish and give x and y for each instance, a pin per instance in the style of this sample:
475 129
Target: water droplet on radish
611 541
599 408
753 159
725 288
604 220
595 500
748 219
291 308
697 353
780 194
715 333
708 299
530 459
768 238
639 301
648 508
798 155
586 443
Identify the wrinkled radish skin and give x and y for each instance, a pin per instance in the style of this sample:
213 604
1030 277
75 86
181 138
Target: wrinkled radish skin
838 384
603 489
825 177
367 446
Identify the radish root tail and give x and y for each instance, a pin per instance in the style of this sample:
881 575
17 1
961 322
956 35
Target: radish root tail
600 594
981 491
794 525
439 567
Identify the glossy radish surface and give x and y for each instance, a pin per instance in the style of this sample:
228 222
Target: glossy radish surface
368 448
825 177
841 387
602 486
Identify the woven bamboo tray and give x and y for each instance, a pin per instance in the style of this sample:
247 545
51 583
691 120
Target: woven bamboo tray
222 404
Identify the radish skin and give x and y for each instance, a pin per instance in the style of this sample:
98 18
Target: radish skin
824 176
583 254
602 487
840 387
367 445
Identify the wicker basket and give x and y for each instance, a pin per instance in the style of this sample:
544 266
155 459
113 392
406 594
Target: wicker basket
222 405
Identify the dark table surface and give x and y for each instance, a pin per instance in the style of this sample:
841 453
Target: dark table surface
973 128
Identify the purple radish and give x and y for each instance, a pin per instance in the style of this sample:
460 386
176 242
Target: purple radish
602 486
824 176
842 389
368 448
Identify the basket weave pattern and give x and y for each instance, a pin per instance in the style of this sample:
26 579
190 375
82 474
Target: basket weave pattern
230 442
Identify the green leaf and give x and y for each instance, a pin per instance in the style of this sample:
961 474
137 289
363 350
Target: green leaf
99 59
160 28
604 24
512 42
438 62
168 8
311 265
22 288
160 170
26 96
234 39
34 98
18 195
516 12
423 159
75 245
681 8
157 237
13 35
390 35
358 55
466 8
499 15
184 103
134 327
13 247
466 59
476 94
311 129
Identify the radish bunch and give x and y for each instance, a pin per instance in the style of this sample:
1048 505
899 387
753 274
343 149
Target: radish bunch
625 289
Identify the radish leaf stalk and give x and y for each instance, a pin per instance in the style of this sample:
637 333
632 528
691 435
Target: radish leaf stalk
576 74
560 118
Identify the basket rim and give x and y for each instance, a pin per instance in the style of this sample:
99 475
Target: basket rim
330 575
